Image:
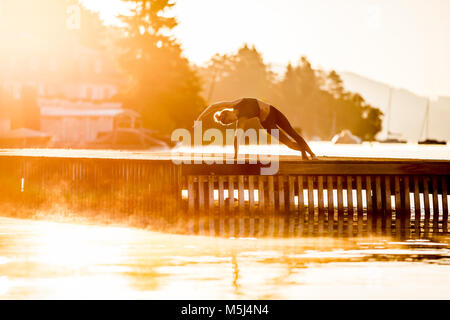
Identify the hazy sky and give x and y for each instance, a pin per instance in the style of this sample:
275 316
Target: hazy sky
405 43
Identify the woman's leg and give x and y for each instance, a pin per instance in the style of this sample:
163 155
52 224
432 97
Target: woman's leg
284 124
283 138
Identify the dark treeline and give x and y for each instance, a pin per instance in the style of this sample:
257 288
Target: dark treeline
163 86
160 83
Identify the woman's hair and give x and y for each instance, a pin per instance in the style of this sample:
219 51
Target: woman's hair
218 115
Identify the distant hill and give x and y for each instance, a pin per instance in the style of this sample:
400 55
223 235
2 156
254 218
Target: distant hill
407 109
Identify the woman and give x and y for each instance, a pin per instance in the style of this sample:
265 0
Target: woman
239 111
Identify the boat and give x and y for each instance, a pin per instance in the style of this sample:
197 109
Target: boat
24 138
433 141
390 137
425 128
392 140
346 137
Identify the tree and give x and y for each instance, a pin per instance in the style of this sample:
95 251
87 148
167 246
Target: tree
163 87
228 77
318 103
300 95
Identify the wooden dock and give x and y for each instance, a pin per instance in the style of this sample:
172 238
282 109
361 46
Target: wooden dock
331 197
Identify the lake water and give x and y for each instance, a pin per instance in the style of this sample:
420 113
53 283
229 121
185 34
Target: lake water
49 260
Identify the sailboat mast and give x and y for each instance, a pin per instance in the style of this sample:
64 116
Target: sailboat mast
425 126
389 112
427 119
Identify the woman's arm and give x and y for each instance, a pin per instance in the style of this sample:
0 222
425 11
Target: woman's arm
217 107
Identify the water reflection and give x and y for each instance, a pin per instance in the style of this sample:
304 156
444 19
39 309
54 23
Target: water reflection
54 260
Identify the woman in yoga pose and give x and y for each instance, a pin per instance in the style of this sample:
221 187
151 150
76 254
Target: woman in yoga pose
239 111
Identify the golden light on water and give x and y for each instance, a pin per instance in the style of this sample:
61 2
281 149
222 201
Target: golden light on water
54 260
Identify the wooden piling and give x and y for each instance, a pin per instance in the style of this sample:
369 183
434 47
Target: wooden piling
444 205
350 205
301 205
359 204
330 220
435 204
369 204
426 202
310 205
388 204
416 206
321 205
340 200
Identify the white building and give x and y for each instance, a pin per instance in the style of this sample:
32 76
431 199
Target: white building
74 93
78 123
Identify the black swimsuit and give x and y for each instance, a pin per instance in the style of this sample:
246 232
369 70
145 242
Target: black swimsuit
248 108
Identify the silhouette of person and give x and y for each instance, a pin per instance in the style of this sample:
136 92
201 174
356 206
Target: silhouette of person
239 111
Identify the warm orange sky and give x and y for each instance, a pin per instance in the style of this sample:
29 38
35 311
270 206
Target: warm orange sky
405 43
